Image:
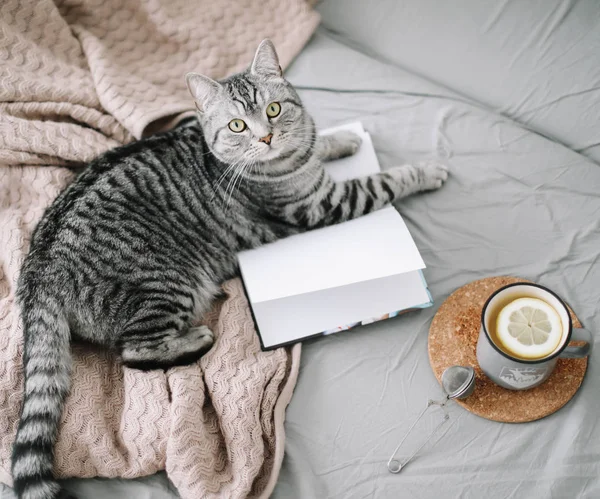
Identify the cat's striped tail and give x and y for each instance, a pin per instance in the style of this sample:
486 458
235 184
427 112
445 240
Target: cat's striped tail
47 368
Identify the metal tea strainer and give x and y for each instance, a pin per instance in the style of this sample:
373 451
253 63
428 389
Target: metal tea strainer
458 382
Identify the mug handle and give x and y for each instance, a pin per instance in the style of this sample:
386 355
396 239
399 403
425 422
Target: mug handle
576 352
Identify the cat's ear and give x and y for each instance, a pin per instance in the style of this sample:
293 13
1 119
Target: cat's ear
202 88
266 62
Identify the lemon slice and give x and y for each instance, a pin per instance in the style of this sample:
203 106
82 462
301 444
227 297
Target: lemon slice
529 328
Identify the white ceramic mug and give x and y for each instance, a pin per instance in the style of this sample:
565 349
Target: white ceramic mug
519 374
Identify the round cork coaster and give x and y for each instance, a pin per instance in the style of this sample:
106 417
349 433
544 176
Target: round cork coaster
453 339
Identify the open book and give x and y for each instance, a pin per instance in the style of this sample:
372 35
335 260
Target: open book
332 279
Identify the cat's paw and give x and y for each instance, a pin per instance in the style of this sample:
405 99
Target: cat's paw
432 174
348 141
341 145
202 336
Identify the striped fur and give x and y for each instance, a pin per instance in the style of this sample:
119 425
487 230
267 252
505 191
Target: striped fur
135 249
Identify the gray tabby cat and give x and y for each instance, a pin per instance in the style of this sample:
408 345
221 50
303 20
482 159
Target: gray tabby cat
135 249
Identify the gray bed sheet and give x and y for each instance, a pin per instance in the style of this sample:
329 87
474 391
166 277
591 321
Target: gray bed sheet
534 61
517 203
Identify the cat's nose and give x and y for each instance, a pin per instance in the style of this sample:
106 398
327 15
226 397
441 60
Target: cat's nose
266 139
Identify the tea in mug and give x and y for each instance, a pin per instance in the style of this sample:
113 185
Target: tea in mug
525 327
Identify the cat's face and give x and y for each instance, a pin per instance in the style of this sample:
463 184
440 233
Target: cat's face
252 117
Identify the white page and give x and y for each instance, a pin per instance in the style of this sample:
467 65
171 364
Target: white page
370 247
279 321
355 126
361 164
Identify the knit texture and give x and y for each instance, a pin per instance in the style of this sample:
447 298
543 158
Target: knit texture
80 77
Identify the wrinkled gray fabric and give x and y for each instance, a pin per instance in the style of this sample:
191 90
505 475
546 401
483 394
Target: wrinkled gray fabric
516 203
535 61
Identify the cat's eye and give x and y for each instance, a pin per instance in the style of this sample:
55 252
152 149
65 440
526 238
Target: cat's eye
237 125
273 109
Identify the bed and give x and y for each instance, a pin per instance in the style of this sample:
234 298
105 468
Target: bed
509 95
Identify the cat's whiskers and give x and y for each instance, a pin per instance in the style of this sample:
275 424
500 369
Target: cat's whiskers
220 180
251 166
234 168
231 183
237 178
240 177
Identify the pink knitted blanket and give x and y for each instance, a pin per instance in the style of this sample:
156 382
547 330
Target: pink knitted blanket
78 77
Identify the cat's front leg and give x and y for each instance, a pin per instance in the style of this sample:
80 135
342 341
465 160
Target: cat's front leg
425 175
337 145
338 202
